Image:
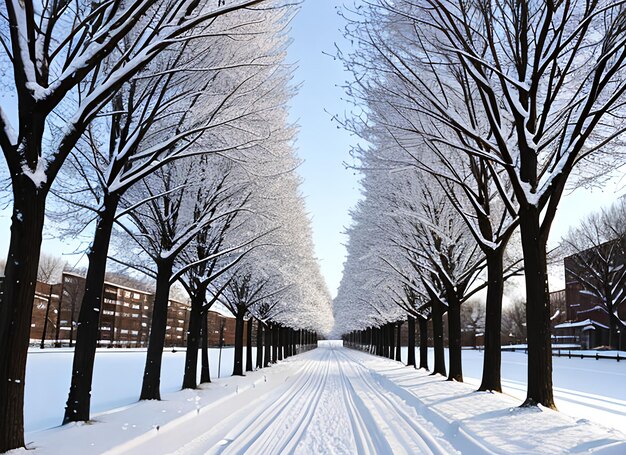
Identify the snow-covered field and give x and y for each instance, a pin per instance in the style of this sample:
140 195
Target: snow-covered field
583 388
117 380
332 400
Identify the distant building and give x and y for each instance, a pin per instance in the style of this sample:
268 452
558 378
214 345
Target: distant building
586 323
125 316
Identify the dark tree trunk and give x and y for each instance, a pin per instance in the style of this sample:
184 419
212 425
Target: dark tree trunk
77 408
238 365
205 372
190 378
537 311
437 321
390 341
411 341
17 306
380 348
286 342
423 326
613 338
249 365
259 344
454 340
399 343
375 341
275 330
150 389
385 336
45 321
492 363
268 345
291 341
281 342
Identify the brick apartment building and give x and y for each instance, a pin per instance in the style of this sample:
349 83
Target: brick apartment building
586 317
125 317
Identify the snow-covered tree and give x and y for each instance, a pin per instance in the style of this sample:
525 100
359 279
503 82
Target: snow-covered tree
192 100
58 51
545 82
164 215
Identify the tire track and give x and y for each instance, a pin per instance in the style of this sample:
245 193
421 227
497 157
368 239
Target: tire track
279 428
329 403
402 427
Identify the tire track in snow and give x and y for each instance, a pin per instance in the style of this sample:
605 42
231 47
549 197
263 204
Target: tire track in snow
403 429
330 404
278 428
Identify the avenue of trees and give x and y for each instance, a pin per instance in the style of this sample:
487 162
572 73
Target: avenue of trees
159 128
474 118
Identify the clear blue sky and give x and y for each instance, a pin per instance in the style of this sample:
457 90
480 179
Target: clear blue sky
330 189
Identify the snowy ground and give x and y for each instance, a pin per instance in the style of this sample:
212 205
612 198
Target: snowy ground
583 388
332 400
117 380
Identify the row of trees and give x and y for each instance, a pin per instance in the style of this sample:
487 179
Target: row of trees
475 116
159 127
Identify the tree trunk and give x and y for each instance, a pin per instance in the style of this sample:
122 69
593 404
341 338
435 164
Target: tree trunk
290 341
267 358
150 389
17 306
411 342
399 343
287 342
612 323
259 344
249 366
78 405
190 378
391 340
45 320
492 364
281 343
238 365
437 321
423 326
537 311
454 340
380 343
205 372
275 330
384 334
295 337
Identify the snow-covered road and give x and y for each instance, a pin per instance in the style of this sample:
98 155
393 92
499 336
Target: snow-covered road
332 404
333 400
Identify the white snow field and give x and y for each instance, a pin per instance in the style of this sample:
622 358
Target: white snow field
583 388
117 380
332 400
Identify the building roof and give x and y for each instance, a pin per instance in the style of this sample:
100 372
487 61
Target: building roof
586 324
